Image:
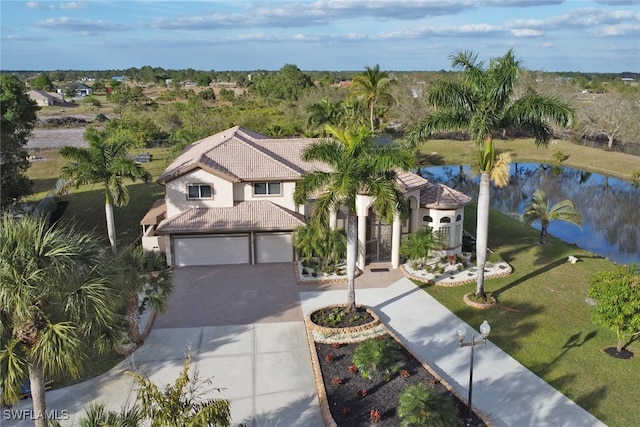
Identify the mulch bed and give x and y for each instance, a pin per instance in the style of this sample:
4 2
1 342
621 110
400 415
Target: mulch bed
352 399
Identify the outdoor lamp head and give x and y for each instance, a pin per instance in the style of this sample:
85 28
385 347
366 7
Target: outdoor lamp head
485 328
461 331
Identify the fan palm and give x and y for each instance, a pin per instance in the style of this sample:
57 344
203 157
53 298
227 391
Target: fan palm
482 103
56 302
142 272
358 166
373 87
539 210
104 162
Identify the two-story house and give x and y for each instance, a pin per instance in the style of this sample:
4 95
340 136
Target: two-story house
229 200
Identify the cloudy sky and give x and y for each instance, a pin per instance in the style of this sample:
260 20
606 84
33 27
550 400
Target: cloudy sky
549 35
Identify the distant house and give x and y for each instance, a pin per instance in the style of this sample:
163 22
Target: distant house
42 98
83 90
118 78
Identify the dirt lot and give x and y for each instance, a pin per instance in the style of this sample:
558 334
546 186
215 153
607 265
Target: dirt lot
53 139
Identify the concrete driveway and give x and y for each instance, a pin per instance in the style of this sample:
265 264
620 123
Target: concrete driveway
244 325
232 295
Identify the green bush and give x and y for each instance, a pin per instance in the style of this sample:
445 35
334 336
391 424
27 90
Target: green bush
91 100
377 355
420 406
420 244
494 257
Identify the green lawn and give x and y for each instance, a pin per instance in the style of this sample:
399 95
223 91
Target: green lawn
86 204
543 321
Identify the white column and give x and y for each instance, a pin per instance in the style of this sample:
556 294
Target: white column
395 241
333 219
362 210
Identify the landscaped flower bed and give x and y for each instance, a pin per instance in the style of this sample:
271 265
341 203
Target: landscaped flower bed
356 401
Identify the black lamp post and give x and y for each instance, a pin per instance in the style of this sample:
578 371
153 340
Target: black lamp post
462 331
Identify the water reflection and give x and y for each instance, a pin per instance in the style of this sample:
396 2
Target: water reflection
610 207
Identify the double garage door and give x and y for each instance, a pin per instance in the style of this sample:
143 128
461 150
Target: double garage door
254 248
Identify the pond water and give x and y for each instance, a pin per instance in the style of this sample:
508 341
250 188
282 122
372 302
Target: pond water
610 207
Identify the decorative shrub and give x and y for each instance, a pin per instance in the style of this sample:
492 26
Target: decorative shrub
420 406
494 257
419 244
377 355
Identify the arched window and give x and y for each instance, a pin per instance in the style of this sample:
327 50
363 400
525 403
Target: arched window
445 220
427 218
459 218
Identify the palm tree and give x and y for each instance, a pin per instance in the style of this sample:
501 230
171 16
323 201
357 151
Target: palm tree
56 302
358 166
142 272
539 210
323 113
181 404
482 103
373 87
97 415
104 162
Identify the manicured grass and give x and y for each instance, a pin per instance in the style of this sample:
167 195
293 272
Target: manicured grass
86 204
544 320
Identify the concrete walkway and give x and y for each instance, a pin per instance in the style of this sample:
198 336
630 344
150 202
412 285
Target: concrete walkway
504 390
264 367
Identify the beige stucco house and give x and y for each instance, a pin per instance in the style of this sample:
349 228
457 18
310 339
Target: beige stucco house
43 99
229 200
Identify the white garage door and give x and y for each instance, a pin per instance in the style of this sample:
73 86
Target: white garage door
231 249
274 247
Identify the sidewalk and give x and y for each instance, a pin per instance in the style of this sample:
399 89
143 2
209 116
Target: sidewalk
504 390
265 369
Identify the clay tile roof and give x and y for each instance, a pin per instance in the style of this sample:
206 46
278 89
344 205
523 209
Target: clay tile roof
439 196
410 181
243 217
242 154
157 213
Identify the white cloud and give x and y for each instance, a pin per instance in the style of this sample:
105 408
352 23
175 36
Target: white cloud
526 32
39 5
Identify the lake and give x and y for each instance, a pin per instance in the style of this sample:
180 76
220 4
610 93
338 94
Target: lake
610 207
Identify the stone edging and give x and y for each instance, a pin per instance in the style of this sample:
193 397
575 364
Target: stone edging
456 282
322 393
481 305
320 280
350 334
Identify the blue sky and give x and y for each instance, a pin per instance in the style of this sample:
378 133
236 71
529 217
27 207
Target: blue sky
548 35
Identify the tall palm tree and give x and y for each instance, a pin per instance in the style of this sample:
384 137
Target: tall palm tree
483 103
539 210
142 272
55 303
358 166
104 162
373 87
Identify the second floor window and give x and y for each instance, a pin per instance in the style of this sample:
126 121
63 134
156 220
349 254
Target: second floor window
266 188
199 191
